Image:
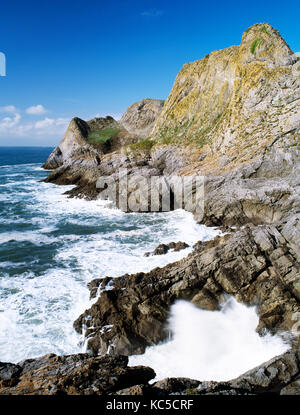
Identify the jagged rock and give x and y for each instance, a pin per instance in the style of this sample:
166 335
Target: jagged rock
82 374
254 264
78 374
178 246
236 117
74 138
176 385
163 249
292 389
273 377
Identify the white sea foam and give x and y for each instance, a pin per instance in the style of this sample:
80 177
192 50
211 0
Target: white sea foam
37 316
38 305
211 345
34 237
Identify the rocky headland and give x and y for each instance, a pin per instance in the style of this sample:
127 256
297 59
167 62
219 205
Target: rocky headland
234 118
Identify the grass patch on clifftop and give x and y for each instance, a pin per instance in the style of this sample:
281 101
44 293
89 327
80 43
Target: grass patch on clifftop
143 145
101 136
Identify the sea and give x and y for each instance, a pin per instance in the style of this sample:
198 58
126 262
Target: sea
51 246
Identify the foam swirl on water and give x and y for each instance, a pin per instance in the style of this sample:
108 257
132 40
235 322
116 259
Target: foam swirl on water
52 246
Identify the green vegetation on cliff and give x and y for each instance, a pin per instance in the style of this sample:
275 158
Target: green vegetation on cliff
233 102
254 45
101 136
143 145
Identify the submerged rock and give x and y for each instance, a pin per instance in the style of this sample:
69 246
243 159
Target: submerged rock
163 249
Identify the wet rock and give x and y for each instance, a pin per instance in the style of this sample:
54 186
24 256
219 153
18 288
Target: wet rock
176 385
292 389
83 374
179 246
9 373
254 264
273 377
163 249
79 374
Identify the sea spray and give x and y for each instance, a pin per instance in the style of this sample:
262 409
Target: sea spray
51 247
211 345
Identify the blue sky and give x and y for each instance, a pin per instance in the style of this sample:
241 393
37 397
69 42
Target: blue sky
93 58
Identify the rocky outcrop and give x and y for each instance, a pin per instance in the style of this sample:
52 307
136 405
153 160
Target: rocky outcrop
255 264
78 374
232 104
279 376
82 374
162 249
233 117
75 138
141 116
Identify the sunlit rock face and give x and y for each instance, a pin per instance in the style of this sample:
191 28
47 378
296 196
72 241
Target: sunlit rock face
234 102
141 116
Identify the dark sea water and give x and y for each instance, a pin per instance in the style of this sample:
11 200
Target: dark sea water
23 155
52 246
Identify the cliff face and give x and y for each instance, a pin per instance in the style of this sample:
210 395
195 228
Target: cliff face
76 138
136 123
234 102
141 116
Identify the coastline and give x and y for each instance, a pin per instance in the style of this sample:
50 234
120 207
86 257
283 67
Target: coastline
246 145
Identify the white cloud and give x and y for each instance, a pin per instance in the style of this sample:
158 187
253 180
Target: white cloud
9 122
152 13
36 110
9 109
13 127
47 122
51 126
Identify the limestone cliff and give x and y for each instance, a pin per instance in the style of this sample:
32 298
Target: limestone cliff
141 116
136 123
75 138
233 103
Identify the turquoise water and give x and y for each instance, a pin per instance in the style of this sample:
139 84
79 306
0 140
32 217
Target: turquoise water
52 246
